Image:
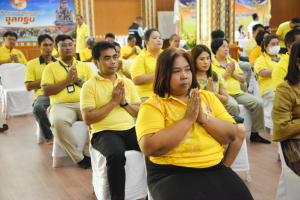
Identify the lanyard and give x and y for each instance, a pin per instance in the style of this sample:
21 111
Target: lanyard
63 66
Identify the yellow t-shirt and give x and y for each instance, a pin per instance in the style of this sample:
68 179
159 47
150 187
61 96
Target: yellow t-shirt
127 50
233 85
97 92
86 54
145 63
5 54
81 33
54 52
280 71
34 72
249 46
56 73
126 67
282 30
218 85
198 149
262 63
255 53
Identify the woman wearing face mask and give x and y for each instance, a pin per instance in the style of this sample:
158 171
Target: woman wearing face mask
265 64
142 72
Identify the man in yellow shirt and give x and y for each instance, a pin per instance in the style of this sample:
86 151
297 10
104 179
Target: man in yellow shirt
124 66
108 104
281 69
33 75
8 53
174 41
282 31
86 54
82 33
130 51
251 43
62 81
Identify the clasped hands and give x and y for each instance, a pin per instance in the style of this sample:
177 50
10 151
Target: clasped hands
118 94
194 111
72 75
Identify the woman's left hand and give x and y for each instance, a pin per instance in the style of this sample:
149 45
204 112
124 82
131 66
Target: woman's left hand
201 116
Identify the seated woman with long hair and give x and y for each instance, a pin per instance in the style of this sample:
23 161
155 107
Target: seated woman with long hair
286 112
214 82
183 131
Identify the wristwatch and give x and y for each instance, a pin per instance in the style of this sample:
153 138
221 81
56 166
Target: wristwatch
79 81
124 105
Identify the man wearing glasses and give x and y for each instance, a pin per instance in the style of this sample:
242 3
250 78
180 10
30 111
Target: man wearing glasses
62 81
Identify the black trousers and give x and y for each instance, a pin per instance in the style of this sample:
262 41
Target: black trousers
40 113
180 183
112 145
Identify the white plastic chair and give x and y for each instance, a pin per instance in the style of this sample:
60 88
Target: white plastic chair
39 134
93 66
135 185
246 114
16 100
81 133
289 182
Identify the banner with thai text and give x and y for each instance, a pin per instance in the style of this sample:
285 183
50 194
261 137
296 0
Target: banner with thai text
31 18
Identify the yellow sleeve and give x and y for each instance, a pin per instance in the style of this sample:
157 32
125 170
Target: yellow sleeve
82 56
127 65
22 58
260 65
47 77
87 96
150 120
253 56
134 95
278 74
138 67
29 73
86 32
279 30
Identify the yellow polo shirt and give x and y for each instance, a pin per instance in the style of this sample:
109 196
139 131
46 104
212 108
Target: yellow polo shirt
145 63
54 52
81 33
280 71
255 53
198 149
262 63
249 46
282 30
5 54
233 85
34 72
126 67
97 92
86 54
56 73
127 50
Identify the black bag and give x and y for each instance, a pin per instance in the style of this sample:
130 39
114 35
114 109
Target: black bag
237 119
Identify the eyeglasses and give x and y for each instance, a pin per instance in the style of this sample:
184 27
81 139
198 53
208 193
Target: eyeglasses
66 45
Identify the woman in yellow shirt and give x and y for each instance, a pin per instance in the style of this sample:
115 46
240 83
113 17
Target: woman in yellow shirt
142 72
214 82
264 66
256 52
183 131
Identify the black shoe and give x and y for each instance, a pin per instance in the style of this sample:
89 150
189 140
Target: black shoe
258 138
85 163
5 128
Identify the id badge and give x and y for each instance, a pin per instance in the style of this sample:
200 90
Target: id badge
70 88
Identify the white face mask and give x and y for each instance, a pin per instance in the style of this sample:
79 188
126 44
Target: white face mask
274 50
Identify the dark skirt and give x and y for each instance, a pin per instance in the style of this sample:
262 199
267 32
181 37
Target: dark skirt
167 182
291 153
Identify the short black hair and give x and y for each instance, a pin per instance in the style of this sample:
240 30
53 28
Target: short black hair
267 27
293 70
41 38
216 44
101 46
290 37
148 34
130 37
260 37
116 44
256 26
254 16
217 34
138 19
62 37
109 35
296 20
172 37
10 33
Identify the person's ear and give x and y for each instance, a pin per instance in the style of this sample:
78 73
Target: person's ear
97 63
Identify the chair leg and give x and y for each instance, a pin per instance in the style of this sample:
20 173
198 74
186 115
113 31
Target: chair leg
248 176
57 162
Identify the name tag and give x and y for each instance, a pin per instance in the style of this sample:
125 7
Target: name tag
71 88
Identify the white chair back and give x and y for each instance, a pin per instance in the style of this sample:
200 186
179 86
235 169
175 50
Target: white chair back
95 69
13 76
289 182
